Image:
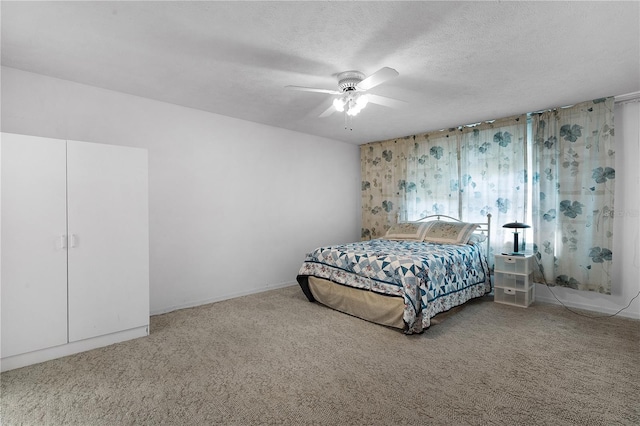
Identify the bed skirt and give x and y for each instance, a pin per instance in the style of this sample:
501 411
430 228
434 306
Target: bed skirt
364 304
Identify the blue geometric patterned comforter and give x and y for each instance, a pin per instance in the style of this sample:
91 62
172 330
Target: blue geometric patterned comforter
430 277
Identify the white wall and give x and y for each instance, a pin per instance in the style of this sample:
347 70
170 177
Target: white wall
626 245
234 206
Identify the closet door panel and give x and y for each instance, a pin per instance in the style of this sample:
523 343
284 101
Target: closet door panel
108 269
34 260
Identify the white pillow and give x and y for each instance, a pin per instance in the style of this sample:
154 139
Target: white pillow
413 231
439 231
477 238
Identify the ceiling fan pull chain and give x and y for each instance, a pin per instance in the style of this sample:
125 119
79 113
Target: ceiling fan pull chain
348 122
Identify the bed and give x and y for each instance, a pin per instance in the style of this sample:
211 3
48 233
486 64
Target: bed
416 271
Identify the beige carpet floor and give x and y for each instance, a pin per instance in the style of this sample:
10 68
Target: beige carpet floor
275 358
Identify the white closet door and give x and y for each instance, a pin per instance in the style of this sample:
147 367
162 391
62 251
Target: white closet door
34 260
108 219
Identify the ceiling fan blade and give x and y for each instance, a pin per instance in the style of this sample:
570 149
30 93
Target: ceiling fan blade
378 77
384 101
311 89
327 112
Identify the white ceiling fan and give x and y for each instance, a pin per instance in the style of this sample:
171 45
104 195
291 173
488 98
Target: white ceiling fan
352 85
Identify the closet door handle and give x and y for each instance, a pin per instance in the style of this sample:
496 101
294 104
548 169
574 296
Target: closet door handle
73 242
63 242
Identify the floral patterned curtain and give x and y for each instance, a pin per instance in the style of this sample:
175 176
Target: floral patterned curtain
432 176
464 173
494 177
573 194
406 179
383 171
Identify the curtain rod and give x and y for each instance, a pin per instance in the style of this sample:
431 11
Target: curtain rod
629 97
617 100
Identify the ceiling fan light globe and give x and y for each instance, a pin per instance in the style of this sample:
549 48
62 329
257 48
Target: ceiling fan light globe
338 104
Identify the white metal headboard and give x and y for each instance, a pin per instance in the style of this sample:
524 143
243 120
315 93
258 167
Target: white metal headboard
484 228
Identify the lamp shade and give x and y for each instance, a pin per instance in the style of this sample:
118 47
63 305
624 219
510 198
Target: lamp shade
515 226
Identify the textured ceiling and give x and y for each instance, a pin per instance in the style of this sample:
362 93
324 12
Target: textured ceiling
459 62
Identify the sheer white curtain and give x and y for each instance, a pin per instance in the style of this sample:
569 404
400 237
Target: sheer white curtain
573 194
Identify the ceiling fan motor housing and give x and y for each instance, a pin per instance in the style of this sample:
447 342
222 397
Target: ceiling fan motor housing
348 80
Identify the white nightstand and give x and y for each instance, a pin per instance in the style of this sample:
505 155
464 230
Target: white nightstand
513 280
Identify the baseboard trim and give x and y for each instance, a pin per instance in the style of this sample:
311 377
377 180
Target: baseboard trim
36 357
628 313
223 297
540 298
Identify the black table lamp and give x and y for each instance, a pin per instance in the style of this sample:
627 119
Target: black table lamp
516 226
